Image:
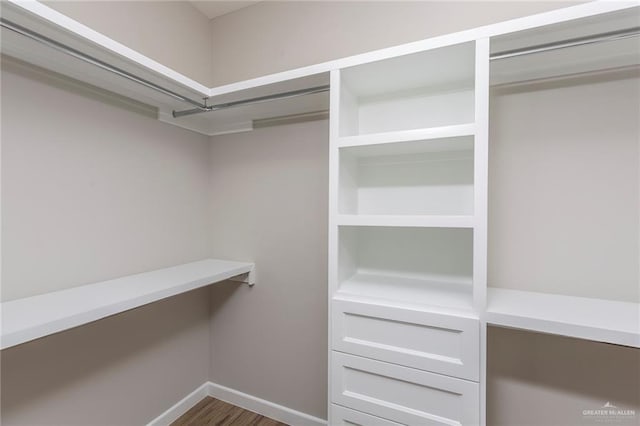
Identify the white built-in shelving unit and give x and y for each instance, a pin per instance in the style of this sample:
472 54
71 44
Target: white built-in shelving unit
408 145
411 293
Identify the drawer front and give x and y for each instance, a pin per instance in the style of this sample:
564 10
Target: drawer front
342 416
401 394
443 344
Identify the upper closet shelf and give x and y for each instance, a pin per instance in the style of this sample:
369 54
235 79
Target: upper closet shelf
33 317
574 47
47 39
601 320
377 114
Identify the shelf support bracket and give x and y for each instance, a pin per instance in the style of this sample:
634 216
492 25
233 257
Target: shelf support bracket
248 278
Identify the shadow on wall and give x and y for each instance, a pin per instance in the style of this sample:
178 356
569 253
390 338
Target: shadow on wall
538 379
100 373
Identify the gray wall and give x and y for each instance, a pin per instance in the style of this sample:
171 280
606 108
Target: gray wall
173 33
92 191
269 193
536 379
564 193
274 36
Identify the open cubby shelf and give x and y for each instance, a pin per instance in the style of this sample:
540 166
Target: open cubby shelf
424 177
422 90
425 266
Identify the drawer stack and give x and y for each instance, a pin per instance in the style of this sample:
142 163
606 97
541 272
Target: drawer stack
407 231
405 366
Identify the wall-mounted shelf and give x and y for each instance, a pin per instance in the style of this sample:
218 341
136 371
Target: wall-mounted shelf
584 318
44 21
30 318
579 59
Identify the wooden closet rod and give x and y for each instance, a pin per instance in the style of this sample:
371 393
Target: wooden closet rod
200 106
579 41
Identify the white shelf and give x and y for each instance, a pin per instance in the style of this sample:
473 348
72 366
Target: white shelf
431 133
576 60
585 318
406 220
38 316
43 20
407 292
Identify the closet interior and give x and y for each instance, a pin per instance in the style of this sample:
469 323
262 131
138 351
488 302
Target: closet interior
482 184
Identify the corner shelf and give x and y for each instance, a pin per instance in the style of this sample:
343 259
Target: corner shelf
59 28
600 320
30 318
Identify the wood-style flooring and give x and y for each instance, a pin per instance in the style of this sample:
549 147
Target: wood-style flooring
211 411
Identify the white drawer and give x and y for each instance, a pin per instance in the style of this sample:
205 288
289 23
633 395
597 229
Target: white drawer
342 416
443 344
401 394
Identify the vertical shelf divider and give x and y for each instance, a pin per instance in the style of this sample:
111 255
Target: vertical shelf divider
334 168
481 182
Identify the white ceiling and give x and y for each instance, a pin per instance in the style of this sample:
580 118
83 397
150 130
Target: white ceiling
214 8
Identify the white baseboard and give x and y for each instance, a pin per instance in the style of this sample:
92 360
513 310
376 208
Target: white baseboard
181 407
243 400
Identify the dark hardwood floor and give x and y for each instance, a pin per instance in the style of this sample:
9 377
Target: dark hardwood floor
211 411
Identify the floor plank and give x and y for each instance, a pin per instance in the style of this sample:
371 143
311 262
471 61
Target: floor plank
213 412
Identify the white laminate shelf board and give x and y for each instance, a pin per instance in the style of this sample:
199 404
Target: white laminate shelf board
406 220
433 133
30 318
600 320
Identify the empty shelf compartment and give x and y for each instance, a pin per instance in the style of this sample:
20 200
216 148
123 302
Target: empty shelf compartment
426 89
428 177
417 266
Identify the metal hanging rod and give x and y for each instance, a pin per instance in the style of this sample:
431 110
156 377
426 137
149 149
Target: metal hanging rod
251 101
94 61
579 41
200 106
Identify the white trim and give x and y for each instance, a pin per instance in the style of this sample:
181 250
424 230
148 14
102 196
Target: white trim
181 407
263 407
237 398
